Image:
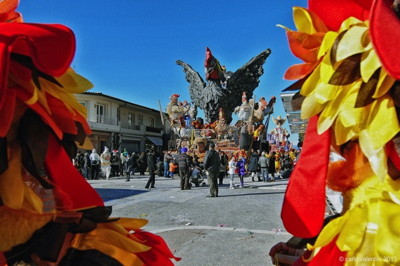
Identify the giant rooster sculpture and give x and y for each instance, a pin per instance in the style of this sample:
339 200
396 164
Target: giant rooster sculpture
223 89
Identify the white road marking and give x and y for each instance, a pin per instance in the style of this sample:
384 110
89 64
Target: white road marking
221 228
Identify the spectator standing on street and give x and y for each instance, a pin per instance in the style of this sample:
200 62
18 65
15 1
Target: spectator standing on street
253 165
142 161
212 165
78 162
222 169
105 158
134 162
263 163
167 160
124 158
231 171
128 168
151 164
271 166
278 164
115 163
172 168
241 166
86 165
184 168
95 164
159 167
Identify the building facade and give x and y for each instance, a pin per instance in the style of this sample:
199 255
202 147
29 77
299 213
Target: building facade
120 125
296 124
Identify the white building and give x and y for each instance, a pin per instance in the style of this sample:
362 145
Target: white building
119 124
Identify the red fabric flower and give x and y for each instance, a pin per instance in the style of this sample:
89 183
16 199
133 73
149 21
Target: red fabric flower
384 24
43 44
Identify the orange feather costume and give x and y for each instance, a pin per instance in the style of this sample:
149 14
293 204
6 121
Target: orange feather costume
48 212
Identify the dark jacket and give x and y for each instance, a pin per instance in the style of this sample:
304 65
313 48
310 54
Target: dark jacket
142 161
212 161
253 164
134 160
128 165
223 163
168 157
86 160
271 164
151 162
183 161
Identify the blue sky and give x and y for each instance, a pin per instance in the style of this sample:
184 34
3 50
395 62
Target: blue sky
128 48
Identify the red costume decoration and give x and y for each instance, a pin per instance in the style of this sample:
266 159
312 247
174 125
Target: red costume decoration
349 90
48 212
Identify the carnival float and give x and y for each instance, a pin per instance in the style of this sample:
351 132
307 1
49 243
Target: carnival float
223 95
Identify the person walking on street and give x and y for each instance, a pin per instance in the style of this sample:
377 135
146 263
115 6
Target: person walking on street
212 165
142 161
105 158
241 165
115 162
86 165
78 162
253 165
263 163
95 164
167 159
128 168
231 171
222 168
124 158
151 164
134 163
271 166
184 168
172 168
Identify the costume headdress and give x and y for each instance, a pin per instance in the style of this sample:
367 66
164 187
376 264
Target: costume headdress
48 211
348 84
244 97
279 120
174 96
221 114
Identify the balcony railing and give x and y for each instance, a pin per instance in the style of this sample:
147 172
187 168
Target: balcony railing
104 119
134 127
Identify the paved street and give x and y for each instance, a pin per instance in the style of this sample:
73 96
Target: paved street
237 228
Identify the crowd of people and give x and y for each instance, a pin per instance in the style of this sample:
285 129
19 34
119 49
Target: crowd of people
214 167
109 164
